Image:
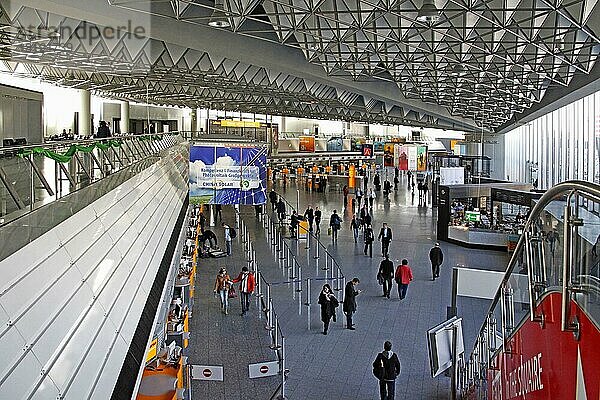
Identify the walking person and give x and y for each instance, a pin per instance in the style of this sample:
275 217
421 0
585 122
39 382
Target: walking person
371 197
354 224
219 211
425 189
346 192
318 215
273 199
386 369
294 222
385 235
247 285
364 211
437 258
366 182
396 181
552 239
369 236
350 294
281 210
222 286
386 271
202 220
403 277
228 237
387 187
309 214
377 182
335 223
358 194
328 304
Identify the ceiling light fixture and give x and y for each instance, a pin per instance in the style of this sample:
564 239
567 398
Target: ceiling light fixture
219 19
428 12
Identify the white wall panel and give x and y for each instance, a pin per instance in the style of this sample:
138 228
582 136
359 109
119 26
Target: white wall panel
78 295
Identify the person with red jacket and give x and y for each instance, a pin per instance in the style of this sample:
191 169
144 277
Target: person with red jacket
403 277
247 285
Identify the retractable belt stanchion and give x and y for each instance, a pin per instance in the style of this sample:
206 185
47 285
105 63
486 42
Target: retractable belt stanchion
307 304
316 256
326 261
283 367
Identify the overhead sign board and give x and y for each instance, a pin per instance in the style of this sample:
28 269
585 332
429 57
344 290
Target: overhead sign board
239 124
261 370
207 372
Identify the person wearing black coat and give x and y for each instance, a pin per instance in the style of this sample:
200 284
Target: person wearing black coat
377 182
437 258
210 236
310 216
281 210
350 294
386 271
294 222
385 235
335 223
273 199
387 187
387 368
369 238
318 215
328 304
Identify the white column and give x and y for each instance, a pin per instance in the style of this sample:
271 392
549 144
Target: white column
124 124
194 123
85 115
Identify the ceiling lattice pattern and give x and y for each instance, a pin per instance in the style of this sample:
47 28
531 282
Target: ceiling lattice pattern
484 59
164 74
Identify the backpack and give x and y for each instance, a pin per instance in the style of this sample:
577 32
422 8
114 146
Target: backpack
378 367
232 233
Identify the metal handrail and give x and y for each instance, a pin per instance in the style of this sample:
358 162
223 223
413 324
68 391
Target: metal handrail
567 188
66 143
273 324
80 171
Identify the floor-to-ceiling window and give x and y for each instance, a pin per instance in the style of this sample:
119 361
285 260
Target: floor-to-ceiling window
561 145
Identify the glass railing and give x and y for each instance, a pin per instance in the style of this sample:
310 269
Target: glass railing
557 252
34 175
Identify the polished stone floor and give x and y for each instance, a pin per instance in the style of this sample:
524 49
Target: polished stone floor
230 341
338 366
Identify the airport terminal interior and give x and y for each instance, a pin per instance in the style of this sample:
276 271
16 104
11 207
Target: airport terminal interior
299 199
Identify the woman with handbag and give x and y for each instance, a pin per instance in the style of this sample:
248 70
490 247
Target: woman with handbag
223 287
328 304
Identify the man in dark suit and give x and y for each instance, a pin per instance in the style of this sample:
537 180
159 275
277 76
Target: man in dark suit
350 294
386 270
437 258
385 235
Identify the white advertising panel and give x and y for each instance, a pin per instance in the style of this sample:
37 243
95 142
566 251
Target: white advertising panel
412 158
452 175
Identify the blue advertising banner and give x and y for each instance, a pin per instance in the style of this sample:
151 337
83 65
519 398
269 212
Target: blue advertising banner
335 144
228 175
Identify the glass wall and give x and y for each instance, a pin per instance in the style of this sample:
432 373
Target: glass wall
559 146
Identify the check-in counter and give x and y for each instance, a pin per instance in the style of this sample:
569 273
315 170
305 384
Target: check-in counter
474 237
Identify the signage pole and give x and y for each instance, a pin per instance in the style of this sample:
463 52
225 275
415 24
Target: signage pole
454 362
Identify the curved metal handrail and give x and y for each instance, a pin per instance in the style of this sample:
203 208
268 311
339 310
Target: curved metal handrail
568 188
